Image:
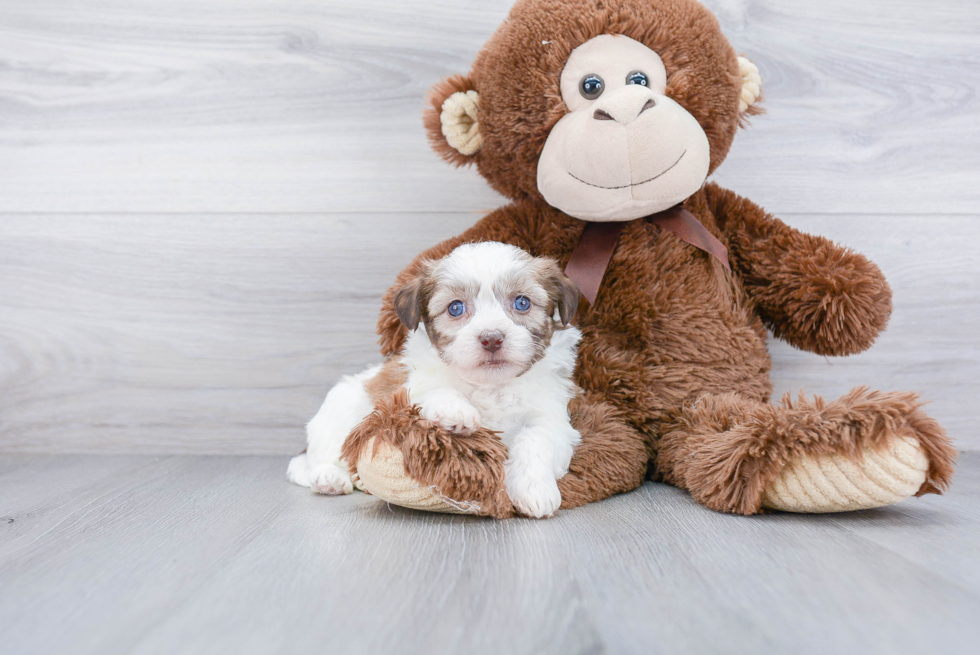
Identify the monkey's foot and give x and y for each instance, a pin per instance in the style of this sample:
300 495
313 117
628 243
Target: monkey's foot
838 483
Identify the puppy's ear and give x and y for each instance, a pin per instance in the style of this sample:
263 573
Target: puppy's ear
412 299
562 291
568 301
408 303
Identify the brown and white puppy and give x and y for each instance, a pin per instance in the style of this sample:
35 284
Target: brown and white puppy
496 351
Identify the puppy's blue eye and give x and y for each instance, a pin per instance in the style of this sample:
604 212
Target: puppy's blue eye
522 304
636 77
456 308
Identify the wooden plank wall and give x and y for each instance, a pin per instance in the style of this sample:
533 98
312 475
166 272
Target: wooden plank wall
201 202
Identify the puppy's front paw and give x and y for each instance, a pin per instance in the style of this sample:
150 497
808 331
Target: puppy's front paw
534 496
451 413
331 480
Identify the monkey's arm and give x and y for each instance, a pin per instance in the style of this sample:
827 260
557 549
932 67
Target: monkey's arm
810 292
499 225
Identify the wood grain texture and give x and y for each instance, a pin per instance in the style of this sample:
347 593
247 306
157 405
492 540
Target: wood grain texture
197 554
210 331
222 334
213 332
314 106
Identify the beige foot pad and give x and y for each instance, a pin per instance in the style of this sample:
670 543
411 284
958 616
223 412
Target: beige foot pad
835 483
383 475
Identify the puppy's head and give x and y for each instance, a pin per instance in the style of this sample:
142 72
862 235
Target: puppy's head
488 308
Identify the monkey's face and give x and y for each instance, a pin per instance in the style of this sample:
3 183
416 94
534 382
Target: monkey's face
607 111
624 149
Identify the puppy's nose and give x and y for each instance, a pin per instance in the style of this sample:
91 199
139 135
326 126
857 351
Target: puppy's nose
492 340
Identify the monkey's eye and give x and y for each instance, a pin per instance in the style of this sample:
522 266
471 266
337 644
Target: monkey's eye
637 77
522 304
591 86
456 308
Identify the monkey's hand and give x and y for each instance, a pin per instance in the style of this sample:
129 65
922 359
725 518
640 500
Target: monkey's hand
810 292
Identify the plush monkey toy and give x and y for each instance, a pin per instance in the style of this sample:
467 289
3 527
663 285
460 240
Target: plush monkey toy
601 121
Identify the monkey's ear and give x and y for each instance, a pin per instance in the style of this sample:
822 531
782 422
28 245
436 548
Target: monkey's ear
751 88
451 120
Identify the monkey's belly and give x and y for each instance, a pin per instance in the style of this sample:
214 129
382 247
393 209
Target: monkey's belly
663 374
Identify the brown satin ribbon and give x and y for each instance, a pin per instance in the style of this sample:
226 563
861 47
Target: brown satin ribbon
588 263
595 248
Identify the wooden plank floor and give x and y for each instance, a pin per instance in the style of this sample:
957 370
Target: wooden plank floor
198 554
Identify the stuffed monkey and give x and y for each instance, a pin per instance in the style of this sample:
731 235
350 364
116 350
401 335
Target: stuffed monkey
601 121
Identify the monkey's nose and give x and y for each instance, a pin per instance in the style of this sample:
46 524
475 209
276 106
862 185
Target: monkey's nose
492 340
624 106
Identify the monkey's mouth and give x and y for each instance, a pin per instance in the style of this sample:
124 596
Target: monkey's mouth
627 186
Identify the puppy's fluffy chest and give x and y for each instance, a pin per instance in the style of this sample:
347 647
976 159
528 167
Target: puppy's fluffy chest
505 408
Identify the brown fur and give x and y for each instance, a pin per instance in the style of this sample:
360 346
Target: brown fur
759 439
389 380
673 360
826 299
411 301
462 468
562 292
431 118
518 78
617 451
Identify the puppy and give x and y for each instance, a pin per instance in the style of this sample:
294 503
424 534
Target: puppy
496 351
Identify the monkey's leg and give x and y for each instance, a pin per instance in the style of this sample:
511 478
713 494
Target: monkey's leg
866 449
612 457
407 461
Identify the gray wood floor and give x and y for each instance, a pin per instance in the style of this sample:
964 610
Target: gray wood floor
194 554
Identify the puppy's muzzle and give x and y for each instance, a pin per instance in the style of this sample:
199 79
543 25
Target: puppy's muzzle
492 340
